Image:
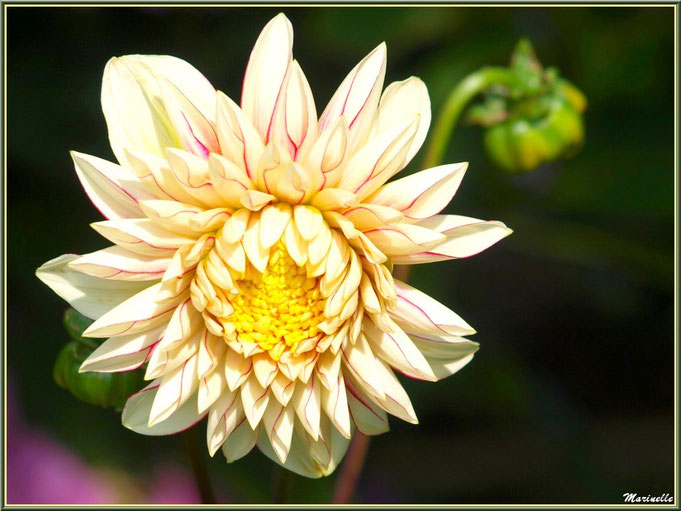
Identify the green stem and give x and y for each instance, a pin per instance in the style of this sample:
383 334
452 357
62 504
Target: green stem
351 469
458 99
197 461
282 485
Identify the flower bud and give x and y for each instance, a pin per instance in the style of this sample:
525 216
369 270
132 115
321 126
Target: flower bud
522 143
102 389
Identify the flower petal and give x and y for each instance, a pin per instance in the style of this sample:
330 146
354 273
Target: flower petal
401 100
136 314
306 401
114 190
369 418
133 119
117 353
224 415
401 239
117 263
298 460
91 296
357 98
278 424
398 350
229 180
194 130
137 408
380 159
254 398
361 363
335 404
465 237
417 312
141 236
273 221
265 72
445 354
423 194
175 388
133 106
240 143
396 401
294 124
329 152
240 442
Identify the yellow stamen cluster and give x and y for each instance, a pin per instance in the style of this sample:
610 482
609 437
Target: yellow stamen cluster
279 308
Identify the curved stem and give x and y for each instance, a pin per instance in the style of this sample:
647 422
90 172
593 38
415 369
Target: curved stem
195 455
282 487
352 468
458 99
460 96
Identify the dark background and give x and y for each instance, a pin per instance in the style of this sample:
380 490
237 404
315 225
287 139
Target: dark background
570 398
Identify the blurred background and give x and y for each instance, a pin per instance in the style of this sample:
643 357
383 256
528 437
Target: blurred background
570 398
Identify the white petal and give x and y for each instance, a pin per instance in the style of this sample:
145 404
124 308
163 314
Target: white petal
240 143
369 418
240 441
333 198
136 314
357 98
230 181
360 361
417 312
329 152
265 369
465 237
401 100
141 236
445 354
423 194
132 103
398 350
254 398
273 221
306 401
298 460
396 400
335 404
91 296
194 130
137 408
278 424
380 159
237 368
224 416
114 190
175 388
401 239
211 388
117 353
133 119
193 176
117 263
270 58
308 221
294 125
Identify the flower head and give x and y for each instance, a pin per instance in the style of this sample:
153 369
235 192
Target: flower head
252 252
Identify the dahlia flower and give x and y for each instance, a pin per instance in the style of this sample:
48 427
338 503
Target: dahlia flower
252 253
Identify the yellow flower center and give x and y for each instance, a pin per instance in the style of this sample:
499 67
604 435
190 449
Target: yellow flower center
279 308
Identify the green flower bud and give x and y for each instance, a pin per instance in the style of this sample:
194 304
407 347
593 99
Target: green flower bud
102 389
537 131
75 323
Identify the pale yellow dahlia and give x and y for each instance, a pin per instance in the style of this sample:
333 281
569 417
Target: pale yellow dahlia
252 253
